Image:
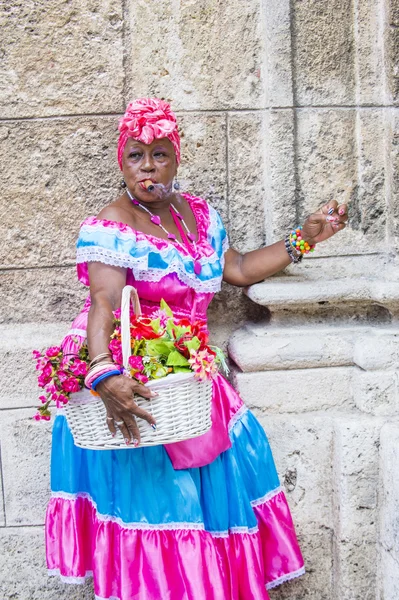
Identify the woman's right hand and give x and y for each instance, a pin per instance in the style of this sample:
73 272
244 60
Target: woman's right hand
117 393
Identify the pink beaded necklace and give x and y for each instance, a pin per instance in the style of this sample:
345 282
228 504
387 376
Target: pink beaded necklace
171 236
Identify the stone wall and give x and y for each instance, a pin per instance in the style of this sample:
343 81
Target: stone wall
283 105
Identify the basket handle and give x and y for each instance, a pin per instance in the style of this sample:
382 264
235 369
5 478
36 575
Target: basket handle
128 293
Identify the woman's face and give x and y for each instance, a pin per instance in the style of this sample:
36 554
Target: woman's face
155 161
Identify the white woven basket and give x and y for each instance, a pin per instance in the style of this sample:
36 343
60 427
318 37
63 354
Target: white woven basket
182 408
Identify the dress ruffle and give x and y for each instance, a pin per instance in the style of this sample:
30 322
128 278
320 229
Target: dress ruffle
146 531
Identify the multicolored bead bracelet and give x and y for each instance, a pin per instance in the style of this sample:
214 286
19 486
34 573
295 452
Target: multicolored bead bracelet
298 243
296 247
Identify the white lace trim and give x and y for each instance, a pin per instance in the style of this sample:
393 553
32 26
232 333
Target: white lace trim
150 526
266 497
285 578
237 417
139 526
142 272
65 579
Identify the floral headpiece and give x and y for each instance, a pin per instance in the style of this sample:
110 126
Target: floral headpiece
147 119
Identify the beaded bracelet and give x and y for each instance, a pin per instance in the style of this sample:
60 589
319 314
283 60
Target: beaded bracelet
104 376
294 257
298 243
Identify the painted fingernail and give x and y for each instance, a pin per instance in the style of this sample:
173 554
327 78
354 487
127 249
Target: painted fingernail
341 211
113 434
154 394
135 443
127 441
154 426
330 219
330 211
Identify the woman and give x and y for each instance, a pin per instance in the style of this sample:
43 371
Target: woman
144 529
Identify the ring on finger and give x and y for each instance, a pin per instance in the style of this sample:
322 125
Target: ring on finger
119 423
110 418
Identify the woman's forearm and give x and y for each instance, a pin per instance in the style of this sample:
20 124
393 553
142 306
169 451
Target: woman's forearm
249 268
99 326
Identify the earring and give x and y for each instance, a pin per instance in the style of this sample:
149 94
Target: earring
123 183
176 185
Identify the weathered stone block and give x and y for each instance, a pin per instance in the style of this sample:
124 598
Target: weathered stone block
40 295
376 392
302 448
258 347
246 185
18 381
355 571
393 179
316 584
377 349
202 54
25 447
369 62
389 513
280 182
24 573
73 173
320 389
203 169
392 39
335 148
278 52
323 52
356 444
61 57
368 208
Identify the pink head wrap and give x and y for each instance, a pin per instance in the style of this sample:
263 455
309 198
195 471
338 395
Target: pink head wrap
147 119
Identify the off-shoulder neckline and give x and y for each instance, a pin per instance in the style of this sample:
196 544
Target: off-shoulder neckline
197 206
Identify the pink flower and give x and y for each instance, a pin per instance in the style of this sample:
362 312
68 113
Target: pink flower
62 376
141 377
115 347
36 354
203 364
161 315
136 363
42 399
78 367
70 385
53 351
37 417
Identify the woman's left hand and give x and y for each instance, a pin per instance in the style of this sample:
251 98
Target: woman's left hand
325 223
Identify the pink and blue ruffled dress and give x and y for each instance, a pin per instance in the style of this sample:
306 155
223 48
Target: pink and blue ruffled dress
141 528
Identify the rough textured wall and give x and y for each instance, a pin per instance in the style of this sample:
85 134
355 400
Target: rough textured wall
283 105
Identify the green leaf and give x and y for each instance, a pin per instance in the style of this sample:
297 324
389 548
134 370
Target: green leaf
175 359
181 370
165 307
159 347
193 344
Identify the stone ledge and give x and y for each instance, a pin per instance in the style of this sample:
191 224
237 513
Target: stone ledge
287 292
259 347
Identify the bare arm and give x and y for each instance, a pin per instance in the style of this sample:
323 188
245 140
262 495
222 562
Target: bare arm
249 268
117 392
246 269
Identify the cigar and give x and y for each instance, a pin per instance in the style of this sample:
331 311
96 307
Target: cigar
147 185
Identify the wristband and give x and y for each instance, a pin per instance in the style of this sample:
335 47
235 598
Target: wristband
104 376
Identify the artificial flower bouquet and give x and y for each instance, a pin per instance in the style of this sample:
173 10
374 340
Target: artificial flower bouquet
160 345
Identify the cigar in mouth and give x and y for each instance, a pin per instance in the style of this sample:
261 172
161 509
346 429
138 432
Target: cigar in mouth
147 185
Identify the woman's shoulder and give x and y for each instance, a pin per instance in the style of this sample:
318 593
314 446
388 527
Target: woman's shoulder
109 219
